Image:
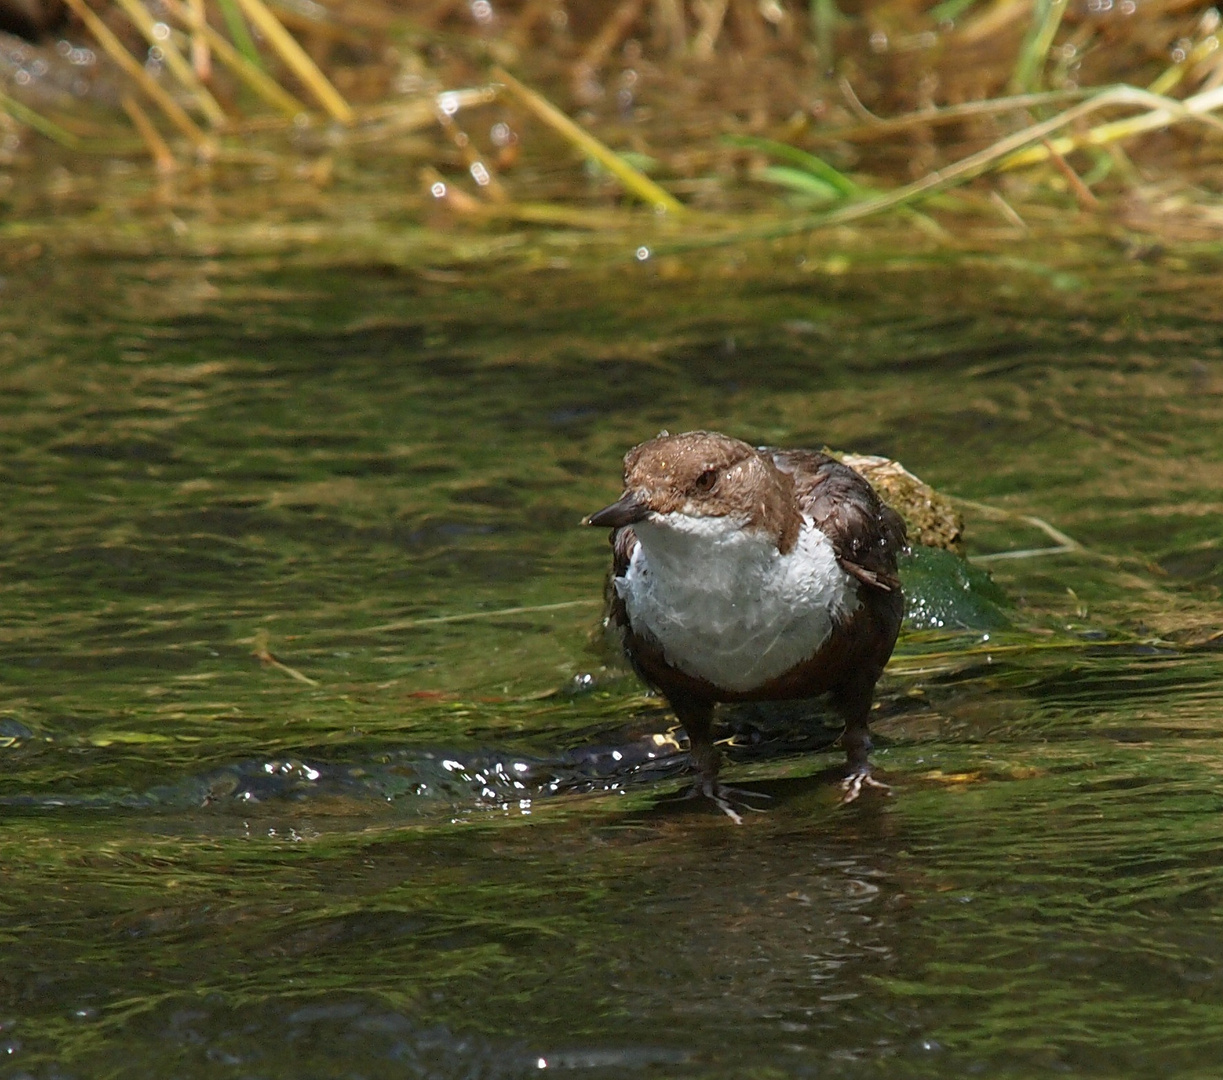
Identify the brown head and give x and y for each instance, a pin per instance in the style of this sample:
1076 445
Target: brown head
704 474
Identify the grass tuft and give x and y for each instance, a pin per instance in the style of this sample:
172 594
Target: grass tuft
1035 109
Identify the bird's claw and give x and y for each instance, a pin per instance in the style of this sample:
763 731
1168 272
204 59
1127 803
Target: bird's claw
861 777
720 795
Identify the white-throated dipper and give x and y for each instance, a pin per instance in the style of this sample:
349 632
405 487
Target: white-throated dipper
742 574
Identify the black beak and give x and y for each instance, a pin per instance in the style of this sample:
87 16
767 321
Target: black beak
627 511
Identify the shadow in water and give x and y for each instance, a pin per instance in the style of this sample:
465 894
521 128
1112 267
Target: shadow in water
430 782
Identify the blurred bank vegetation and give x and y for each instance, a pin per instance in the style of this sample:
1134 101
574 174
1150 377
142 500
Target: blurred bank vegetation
462 128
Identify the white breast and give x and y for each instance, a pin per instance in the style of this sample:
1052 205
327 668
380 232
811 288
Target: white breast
726 605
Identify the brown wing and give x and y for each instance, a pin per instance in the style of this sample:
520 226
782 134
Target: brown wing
867 534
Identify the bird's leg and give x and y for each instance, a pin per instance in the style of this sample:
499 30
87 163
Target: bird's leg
697 717
857 743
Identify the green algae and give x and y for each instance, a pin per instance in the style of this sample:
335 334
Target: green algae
944 591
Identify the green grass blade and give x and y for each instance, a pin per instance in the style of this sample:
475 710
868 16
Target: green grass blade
825 15
801 182
25 115
239 32
800 159
1029 67
949 10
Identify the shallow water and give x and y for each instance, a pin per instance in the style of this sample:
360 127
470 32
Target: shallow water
312 763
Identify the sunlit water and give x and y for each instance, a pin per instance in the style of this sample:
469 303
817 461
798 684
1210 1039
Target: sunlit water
313 764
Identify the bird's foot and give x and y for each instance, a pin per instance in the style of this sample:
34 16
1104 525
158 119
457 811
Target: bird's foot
721 795
859 777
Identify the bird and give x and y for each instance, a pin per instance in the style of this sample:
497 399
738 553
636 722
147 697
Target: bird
744 573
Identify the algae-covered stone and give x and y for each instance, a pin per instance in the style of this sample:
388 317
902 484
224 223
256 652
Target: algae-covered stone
931 518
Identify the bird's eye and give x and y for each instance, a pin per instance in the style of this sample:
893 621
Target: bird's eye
706 480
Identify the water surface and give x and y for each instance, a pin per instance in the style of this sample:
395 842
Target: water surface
312 762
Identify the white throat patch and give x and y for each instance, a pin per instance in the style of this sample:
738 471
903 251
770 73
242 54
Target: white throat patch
725 604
